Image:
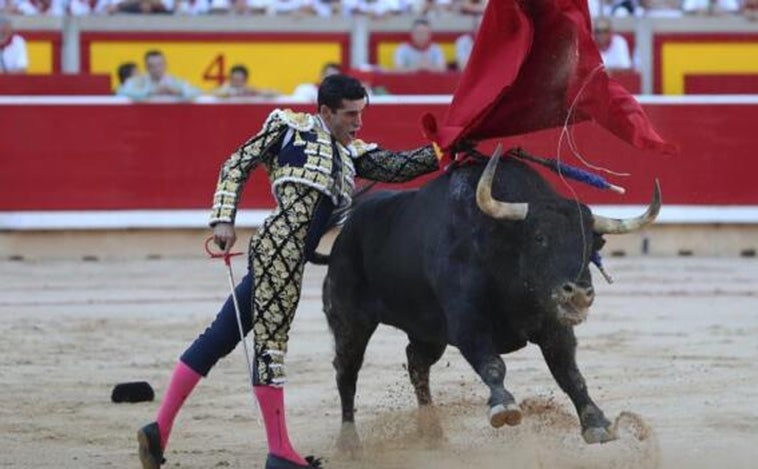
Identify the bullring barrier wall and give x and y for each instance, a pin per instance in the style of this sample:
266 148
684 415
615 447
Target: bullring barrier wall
103 177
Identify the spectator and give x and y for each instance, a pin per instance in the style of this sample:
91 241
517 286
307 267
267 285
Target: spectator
427 8
373 8
79 7
616 8
471 7
40 7
710 7
8 7
237 86
299 8
13 56
239 7
110 7
613 48
660 8
309 91
192 7
420 54
464 43
625 8
750 10
46 7
126 71
156 82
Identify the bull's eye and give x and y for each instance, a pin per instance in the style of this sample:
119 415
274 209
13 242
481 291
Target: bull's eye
539 238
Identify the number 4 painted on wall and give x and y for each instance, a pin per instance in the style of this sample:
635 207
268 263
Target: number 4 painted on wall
216 70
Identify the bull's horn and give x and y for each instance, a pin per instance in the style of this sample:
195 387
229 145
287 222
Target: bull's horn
605 225
485 201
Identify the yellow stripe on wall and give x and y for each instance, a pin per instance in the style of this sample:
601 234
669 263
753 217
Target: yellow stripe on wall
280 66
679 59
385 53
40 56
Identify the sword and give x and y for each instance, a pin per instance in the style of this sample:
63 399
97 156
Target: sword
230 276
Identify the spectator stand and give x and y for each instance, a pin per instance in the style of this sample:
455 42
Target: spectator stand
205 58
668 49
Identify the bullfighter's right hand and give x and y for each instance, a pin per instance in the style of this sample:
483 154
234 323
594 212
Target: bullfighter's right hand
224 236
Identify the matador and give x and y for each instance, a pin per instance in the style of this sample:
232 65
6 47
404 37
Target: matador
311 161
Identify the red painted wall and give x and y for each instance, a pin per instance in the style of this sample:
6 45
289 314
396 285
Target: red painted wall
166 156
721 83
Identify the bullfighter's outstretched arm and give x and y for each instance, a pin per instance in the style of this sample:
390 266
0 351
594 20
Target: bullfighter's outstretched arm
388 166
235 170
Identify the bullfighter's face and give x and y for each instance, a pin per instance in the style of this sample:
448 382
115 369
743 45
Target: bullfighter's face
345 121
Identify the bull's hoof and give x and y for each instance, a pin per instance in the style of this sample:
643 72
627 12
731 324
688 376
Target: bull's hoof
429 425
598 435
505 414
348 441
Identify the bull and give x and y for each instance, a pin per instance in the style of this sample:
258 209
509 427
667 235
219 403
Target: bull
453 263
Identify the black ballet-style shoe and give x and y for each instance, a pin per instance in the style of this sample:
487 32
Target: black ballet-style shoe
150 452
275 462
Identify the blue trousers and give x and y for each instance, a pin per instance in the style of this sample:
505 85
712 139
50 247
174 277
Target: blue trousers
220 338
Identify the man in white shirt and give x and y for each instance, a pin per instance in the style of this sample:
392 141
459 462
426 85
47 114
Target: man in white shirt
13 56
309 91
420 54
373 8
613 48
710 7
156 82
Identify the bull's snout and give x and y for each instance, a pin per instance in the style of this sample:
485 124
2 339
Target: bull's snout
580 296
573 302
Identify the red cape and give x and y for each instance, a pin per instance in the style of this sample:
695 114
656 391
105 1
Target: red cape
530 61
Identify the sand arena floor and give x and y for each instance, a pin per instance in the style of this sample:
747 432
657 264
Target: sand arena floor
671 346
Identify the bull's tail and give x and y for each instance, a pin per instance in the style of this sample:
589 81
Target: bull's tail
319 259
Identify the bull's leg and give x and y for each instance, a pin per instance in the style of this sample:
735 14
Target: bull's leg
421 357
491 368
559 350
350 345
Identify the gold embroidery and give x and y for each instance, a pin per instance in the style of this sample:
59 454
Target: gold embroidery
297 120
277 256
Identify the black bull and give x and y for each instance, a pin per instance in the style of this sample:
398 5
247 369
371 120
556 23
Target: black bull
453 264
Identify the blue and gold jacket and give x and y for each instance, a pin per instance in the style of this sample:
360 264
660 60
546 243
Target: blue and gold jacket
297 147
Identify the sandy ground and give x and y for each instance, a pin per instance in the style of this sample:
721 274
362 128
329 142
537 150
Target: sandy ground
671 346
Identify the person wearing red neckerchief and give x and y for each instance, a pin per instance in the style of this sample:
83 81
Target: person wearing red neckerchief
420 54
13 55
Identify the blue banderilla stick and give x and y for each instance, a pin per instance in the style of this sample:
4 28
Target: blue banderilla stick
569 171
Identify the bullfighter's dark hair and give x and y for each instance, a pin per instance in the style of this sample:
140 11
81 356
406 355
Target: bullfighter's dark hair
335 88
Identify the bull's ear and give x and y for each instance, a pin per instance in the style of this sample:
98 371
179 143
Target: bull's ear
597 242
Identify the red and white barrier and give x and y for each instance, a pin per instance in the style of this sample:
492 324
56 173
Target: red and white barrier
103 162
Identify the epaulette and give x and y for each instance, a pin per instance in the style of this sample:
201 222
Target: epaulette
301 121
359 148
